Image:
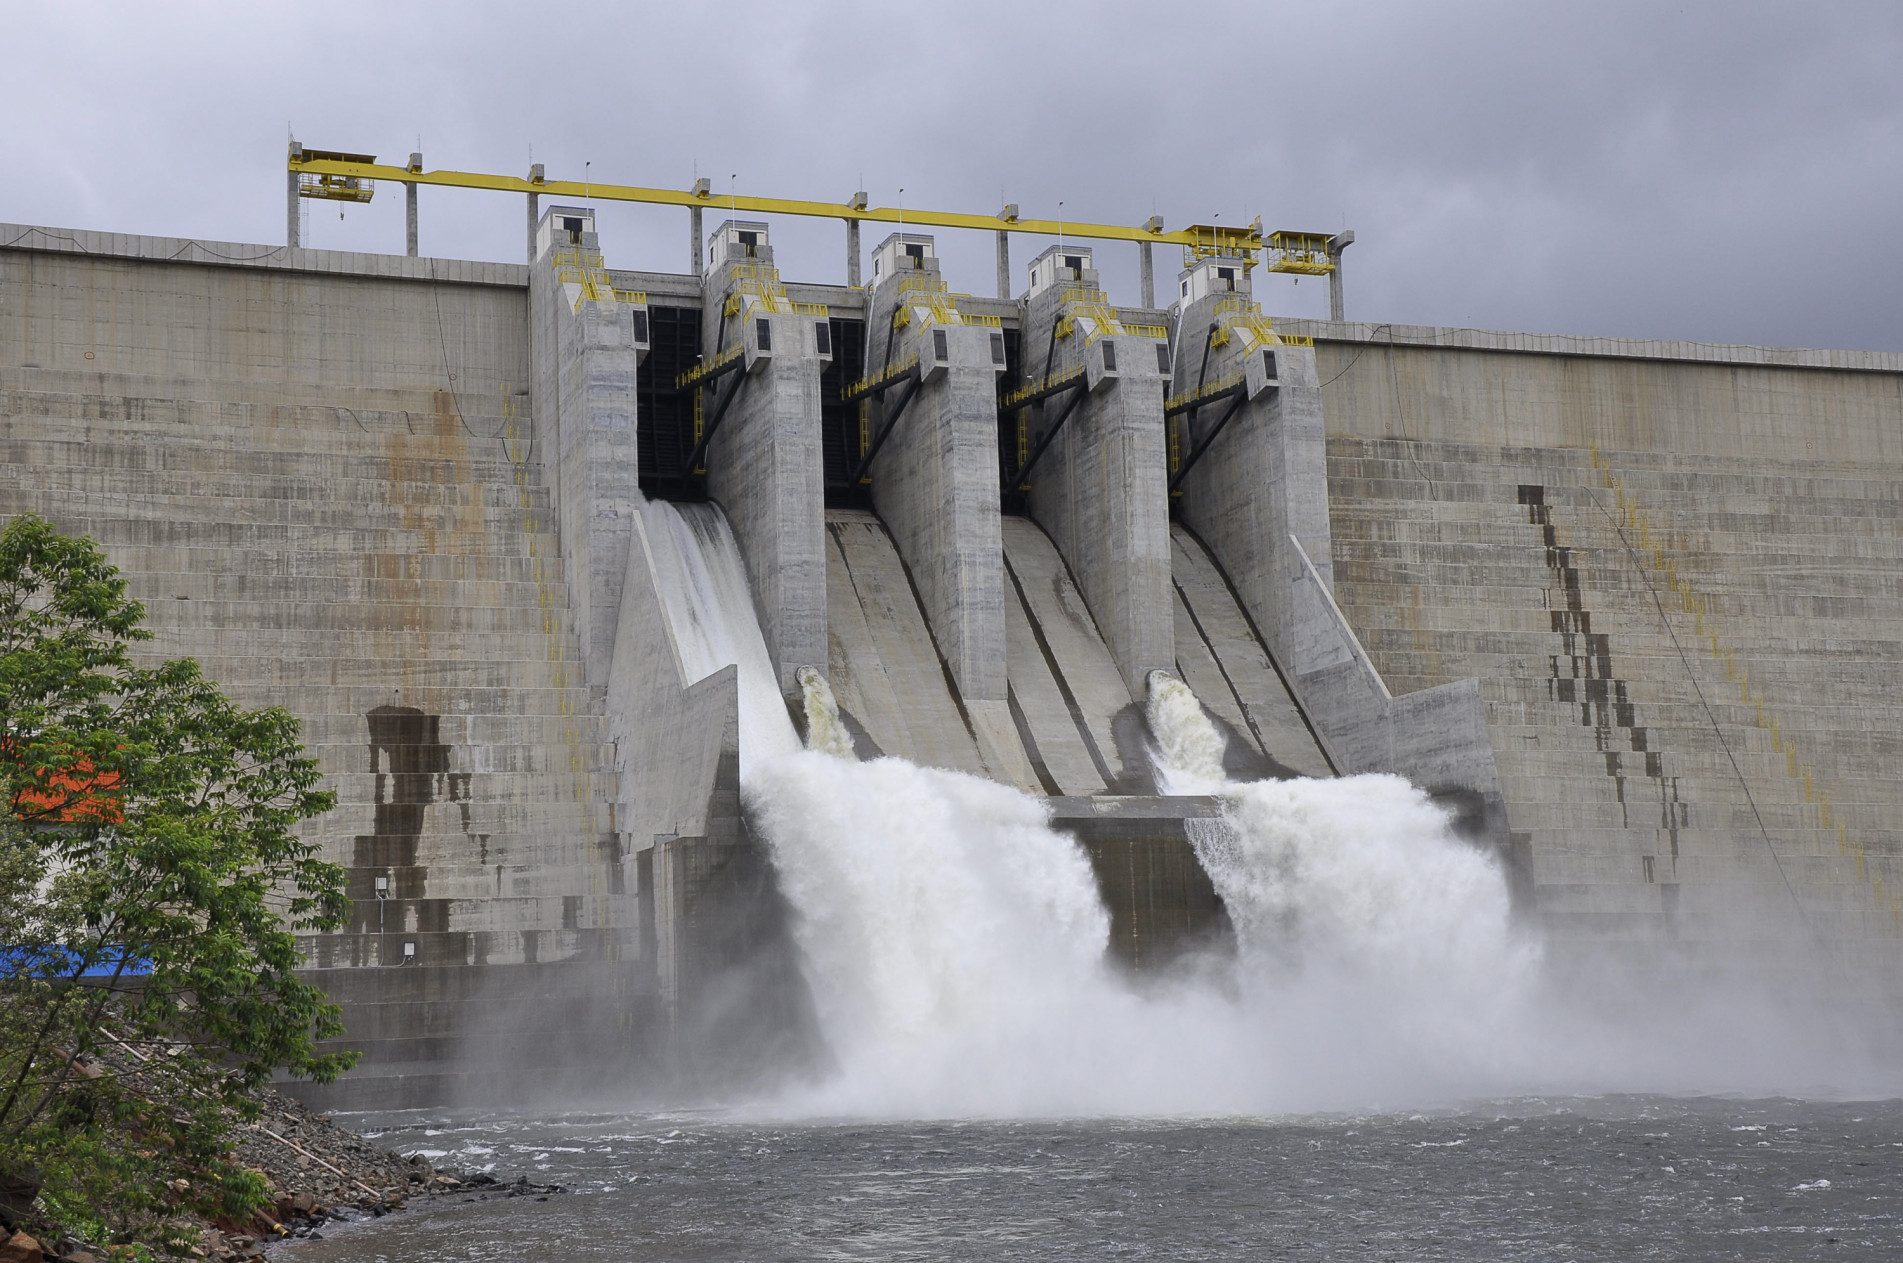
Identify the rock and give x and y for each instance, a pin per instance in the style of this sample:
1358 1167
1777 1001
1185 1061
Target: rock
20 1248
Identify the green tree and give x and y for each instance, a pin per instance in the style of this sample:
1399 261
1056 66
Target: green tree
151 886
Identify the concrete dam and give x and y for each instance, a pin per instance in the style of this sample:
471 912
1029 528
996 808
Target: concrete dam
540 554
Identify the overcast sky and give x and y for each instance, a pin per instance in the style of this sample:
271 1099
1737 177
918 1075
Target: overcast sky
1726 172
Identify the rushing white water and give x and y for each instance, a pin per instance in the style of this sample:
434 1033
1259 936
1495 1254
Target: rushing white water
954 944
1358 870
1189 749
703 583
824 730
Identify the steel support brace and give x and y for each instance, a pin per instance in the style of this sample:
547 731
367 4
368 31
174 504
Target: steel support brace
1196 454
885 432
713 422
1070 405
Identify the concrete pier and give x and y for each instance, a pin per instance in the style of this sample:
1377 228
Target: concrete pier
582 393
763 459
409 207
1100 484
935 479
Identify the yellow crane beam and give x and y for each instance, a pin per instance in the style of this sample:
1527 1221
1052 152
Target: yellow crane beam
1208 237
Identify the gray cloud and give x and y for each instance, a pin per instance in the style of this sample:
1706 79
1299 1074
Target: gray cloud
1716 171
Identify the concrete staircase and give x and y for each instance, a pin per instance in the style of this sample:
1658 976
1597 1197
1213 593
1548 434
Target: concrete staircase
1670 648
384 565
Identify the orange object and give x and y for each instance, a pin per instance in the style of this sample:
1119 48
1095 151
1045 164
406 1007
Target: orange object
76 794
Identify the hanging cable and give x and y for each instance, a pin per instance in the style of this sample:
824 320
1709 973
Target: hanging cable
1711 717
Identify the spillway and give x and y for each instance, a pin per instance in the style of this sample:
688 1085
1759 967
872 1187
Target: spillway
953 932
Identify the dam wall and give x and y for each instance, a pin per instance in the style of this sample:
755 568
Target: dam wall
1628 609
317 472
1674 570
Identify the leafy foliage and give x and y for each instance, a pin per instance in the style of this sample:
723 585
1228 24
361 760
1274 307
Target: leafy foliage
151 887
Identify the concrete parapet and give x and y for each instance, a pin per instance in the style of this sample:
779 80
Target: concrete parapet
1100 484
764 462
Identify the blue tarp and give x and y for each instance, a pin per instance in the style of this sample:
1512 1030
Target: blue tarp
61 962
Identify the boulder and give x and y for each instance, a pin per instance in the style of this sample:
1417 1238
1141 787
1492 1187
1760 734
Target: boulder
20 1248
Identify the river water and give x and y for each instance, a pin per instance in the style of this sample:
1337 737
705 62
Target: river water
1605 1178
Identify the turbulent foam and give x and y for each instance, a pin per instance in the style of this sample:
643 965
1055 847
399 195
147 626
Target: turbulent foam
1189 749
824 731
955 946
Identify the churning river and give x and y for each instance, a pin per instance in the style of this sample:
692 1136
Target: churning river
1610 1178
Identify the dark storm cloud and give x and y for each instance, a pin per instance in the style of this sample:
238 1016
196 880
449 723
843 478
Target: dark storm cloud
1721 172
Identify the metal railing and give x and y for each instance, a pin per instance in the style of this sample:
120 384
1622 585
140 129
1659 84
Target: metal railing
1213 390
1037 389
866 386
708 368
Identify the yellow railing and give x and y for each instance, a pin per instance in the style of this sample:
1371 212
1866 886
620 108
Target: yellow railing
1019 395
583 276
763 273
1238 313
335 188
706 368
922 284
934 308
1303 253
870 384
1220 386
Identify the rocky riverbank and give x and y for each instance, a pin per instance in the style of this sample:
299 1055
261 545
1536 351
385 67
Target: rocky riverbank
318 1173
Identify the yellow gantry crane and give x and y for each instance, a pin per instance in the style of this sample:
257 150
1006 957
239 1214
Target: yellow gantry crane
336 176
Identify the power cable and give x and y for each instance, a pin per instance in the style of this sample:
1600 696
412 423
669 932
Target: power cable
442 343
1711 717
